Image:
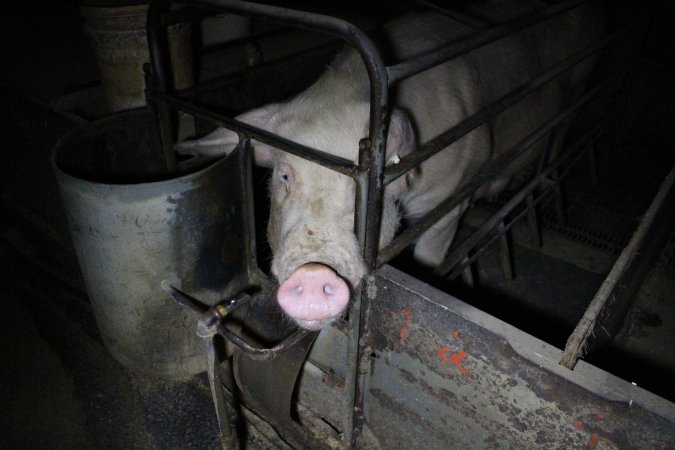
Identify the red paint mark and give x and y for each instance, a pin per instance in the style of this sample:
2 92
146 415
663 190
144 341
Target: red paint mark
442 354
599 416
593 441
578 425
455 358
455 333
406 326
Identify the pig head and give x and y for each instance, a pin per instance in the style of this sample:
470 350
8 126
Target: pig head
316 257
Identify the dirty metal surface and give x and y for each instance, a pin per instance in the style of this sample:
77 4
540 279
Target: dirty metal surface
445 375
131 232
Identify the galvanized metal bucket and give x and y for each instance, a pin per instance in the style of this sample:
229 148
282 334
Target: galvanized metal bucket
118 36
132 229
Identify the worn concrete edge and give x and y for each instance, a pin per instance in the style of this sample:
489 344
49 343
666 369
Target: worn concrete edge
546 356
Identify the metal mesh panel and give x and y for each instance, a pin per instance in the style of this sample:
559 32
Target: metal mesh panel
591 224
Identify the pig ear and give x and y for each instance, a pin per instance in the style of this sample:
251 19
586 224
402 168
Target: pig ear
401 141
223 141
220 142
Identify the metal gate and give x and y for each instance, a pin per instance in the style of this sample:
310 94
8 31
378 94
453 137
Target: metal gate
371 351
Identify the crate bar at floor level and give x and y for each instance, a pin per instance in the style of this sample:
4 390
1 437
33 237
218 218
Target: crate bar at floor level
458 259
603 299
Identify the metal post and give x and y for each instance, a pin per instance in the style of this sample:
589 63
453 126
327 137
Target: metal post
161 79
533 222
467 273
505 252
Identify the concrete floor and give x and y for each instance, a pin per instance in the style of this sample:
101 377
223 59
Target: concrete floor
61 389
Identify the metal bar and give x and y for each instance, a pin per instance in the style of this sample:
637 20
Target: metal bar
475 40
574 348
480 117
533 222
212 317
483 248
467 273
187 301
490 173
161 78
158 44
266 66
354 328
228 439
332 162
260 353
245 169
541 197
505 255
470 21
465 246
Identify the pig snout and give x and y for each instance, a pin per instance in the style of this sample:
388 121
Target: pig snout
314 295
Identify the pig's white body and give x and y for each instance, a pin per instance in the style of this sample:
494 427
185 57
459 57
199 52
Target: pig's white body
311 219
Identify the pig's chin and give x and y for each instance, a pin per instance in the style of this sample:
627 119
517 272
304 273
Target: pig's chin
314 325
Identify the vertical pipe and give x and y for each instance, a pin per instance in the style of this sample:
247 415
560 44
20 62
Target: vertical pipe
351 382
505 252
467 274
227 437
368 215
158 46
245 169
533 222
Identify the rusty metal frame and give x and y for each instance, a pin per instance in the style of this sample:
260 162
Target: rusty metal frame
369 172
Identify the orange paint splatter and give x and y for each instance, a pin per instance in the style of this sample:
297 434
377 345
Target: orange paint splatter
455 358
578 425
593 441
455 333
406 325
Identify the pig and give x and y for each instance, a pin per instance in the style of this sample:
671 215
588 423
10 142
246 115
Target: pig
316 257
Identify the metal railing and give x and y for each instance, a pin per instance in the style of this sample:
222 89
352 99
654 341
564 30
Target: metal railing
369 172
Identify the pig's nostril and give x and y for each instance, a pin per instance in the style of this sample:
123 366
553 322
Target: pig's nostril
313 293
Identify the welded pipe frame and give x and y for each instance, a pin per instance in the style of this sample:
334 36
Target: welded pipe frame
369 173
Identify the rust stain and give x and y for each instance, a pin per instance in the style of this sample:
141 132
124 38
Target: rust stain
406 325
593 441
455 358
455 333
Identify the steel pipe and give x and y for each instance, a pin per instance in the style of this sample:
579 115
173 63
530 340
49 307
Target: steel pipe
493 171
480 117
475 40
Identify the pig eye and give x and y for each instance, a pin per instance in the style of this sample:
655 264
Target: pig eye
285 175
